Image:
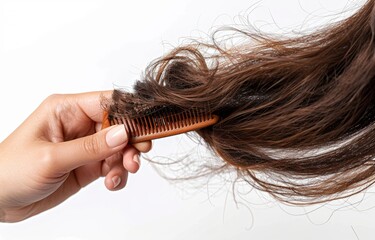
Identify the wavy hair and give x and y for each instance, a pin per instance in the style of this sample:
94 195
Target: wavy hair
296 114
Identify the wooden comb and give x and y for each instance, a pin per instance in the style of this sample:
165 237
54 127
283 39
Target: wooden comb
162 124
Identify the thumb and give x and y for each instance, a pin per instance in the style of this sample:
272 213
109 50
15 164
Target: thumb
89 149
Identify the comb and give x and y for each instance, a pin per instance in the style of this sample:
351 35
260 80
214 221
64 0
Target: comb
161 124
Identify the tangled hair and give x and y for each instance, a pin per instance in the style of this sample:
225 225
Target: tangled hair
297 115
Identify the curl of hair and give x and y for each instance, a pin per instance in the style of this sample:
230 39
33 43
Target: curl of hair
299 111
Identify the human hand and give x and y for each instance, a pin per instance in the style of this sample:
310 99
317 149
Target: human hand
58 150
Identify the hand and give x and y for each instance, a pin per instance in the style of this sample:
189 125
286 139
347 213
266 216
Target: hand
58 150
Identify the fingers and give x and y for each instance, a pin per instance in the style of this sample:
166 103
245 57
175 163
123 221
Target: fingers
115 168
117 175
131 161
75 153
72 154
90 103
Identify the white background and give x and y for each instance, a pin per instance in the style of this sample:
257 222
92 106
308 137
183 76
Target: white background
77 46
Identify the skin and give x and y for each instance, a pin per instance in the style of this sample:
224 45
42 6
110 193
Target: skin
60 149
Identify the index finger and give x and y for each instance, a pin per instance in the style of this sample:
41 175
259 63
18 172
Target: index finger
91 103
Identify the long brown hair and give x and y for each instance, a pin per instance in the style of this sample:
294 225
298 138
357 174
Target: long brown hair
296 114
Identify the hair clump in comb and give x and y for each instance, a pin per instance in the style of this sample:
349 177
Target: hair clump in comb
296 114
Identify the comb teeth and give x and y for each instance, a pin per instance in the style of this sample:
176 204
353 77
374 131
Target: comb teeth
164 124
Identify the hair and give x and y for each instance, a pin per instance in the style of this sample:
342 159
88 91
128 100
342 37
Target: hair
296 114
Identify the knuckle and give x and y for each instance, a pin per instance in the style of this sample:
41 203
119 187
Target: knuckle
52 98
54 104
47 156
92 145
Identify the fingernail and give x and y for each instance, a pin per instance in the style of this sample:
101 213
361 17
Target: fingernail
136 159
116 136
116 181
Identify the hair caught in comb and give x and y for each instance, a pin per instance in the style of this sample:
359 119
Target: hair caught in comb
311 94
162 122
